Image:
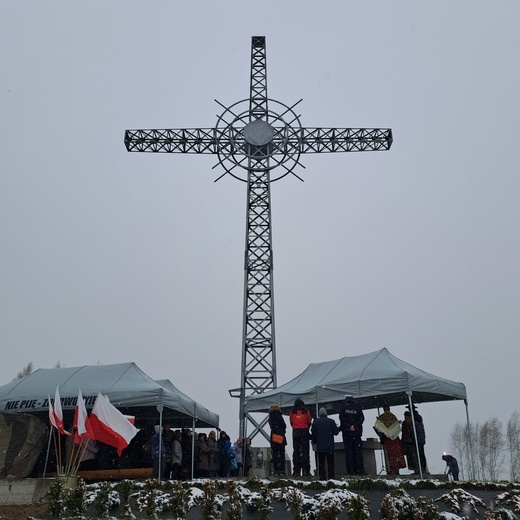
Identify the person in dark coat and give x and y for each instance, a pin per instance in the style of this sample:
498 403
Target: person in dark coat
421 437
187 451
452 466
323 431
223 443
351 423
301 419
248 461
408 443
158 451
167 436
278 428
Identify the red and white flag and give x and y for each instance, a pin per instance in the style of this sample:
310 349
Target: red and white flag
110 425
83 428
56 413
52 419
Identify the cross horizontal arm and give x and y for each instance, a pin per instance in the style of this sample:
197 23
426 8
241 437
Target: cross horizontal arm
320 140
183 140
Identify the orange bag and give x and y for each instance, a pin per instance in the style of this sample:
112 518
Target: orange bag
278 439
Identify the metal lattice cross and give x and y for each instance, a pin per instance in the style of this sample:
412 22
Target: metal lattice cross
253 138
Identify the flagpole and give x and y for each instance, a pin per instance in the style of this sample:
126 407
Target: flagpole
78 457
69 453
47 455
73 459
57 449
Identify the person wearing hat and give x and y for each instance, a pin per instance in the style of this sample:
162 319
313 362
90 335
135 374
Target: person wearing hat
351 423
301 419
421 437
408 443
323 431
278 440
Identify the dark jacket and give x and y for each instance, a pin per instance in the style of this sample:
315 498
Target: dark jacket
156 452
352 415
323 431
277 424
419 428
186 444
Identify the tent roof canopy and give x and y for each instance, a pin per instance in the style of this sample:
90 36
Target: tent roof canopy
126 385
373 379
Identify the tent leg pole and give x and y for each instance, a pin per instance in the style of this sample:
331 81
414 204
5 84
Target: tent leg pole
468 424
193 448
160 448
383 458
48 451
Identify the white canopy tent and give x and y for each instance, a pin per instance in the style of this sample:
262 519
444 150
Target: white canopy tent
197 410
373 379
126 385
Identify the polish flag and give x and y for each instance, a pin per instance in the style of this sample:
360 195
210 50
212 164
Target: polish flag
110 425
56 413
52 419
83 429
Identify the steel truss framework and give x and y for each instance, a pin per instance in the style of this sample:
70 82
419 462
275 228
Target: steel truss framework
253 138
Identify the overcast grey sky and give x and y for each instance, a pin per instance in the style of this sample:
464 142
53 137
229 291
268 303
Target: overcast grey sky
109 257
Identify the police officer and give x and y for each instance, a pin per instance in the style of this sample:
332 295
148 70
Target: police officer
351 424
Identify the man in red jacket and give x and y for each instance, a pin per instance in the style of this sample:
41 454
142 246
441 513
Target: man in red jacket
300 418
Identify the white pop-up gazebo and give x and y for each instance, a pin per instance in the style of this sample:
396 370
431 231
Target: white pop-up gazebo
373 379
125 384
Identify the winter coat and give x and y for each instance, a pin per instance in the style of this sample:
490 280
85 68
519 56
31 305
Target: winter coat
419 428
300 419
239 452
323 431
277 424
213 454
155 453
167 436
232 458
203 456
224 458
186 444
176 452
351 415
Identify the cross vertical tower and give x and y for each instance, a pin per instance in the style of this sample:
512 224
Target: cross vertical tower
258 338
251 139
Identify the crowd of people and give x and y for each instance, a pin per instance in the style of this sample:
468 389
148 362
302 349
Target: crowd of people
175 454
320 434
403 441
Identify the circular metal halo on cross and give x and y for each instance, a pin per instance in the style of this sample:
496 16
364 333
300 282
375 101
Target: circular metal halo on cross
258 143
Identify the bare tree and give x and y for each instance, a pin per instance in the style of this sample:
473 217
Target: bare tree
460 444
513 445
29 369
26 370
459 447
490 446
